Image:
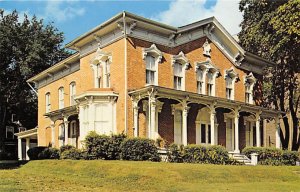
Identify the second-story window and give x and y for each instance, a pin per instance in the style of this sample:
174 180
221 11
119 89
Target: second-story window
107 73
98 76
200 81
229 87
72 93
61 101
150 69
210 84
178 75
48 103
249 84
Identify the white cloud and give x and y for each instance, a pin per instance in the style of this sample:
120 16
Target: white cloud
183 12
61 11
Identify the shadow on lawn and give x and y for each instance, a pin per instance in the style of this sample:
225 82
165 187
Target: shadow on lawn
12 164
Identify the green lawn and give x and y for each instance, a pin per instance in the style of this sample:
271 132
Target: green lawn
67 175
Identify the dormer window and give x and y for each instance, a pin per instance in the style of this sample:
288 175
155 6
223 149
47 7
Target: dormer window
101 67
180 64
206 71
152 57
230 77
249 84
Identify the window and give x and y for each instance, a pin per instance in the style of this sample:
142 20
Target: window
205 132
61 132
72 93
178 76
48 104
229 94
210 84
98 76
61 98
150 69
107 73
9 132
199 81
248 93
73 129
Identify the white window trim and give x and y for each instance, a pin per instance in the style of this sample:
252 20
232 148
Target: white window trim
157 54
100 60
251 80
181 59
230 73
207 67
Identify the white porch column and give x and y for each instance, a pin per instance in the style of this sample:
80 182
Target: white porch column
185 111
135 117
212 124
66 123
251 133
152 132
82 128
277 136
258 142
52 133
27 147
236 132
91 114
20 149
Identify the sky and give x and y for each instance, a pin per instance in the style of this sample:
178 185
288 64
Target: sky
74 18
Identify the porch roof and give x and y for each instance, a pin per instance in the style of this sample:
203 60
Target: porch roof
190 97
31 133
58 114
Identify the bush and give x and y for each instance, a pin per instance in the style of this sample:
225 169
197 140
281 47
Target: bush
37 153
103 146
139 149
66 148
199 154
272 156
73 153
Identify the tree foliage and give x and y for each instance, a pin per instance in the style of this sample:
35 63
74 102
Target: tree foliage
271 29
27 47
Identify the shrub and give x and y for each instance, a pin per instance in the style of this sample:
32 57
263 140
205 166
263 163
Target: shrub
73 153
103 146
175 154
37 153
199 154
49 153
65 148
139 149
33 153
272 156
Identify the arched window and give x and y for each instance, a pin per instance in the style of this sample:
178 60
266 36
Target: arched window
249 84
230 77
72 93
48 102
61 95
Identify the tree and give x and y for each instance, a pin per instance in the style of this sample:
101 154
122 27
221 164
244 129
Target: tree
27 47
271 29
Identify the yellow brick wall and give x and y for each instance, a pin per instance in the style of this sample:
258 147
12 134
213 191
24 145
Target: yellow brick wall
84 81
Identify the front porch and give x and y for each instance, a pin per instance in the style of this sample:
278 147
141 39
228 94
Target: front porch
188 118
26 140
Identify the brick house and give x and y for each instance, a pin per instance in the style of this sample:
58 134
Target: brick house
188 85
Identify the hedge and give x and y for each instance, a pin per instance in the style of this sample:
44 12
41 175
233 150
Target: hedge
272 156
139 149
37 153
103 146
214 154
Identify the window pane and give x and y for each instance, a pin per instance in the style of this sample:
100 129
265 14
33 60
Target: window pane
203 133
199 75
199 87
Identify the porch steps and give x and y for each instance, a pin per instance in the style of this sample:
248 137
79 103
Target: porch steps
242 158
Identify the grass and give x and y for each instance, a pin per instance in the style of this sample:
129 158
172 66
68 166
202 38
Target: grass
67 175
